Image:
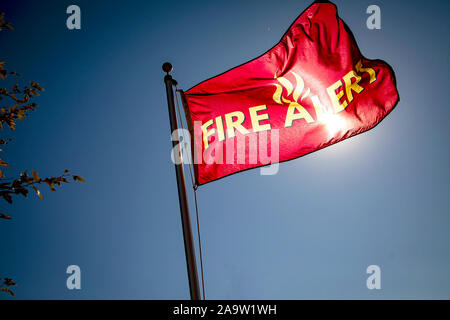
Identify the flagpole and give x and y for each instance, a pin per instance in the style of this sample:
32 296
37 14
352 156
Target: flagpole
182 196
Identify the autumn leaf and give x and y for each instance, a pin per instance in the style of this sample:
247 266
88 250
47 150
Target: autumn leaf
4 216
4 23
35 176
3 163
2 70
9 282
7 197
8 291
38 192
78 178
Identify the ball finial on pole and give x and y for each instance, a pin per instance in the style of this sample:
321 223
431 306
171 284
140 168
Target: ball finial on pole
167 67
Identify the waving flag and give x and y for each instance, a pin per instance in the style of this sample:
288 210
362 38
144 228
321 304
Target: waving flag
313 89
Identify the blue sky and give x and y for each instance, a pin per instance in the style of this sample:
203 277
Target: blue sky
308 232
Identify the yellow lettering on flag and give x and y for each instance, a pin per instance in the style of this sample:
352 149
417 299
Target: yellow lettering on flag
349 86
232 126
207 133
336 97
292 115
256 118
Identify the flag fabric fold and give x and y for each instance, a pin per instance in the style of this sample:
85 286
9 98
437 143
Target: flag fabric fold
311 90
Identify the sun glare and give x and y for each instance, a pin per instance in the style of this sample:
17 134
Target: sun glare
334 123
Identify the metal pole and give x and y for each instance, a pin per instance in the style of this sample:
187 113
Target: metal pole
182 196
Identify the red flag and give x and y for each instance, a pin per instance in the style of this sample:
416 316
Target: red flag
313 89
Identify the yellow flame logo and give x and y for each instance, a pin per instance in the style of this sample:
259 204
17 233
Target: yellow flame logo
334 123
290 89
